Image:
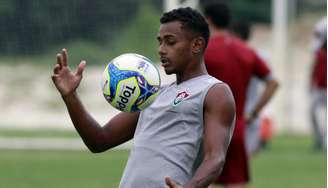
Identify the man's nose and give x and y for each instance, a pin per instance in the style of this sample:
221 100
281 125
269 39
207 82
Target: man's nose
161 50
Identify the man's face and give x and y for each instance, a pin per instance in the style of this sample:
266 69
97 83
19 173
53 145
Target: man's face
174 47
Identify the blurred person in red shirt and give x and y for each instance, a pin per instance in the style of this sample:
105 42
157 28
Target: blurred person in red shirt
318 89
232 61
258 132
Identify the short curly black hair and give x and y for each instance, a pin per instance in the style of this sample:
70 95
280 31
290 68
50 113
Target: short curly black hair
190 19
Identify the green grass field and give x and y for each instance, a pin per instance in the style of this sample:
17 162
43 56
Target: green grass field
289 162
40 133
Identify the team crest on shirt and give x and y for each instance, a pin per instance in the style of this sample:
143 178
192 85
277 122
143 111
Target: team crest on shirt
180 97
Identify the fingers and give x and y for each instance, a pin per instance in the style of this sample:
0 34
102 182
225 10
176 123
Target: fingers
170 183
80 68
57 69
64 56
59 60
54 77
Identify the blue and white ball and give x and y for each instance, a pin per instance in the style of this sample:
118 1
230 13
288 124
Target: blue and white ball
130 82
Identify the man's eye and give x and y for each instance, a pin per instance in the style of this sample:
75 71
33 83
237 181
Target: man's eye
170 42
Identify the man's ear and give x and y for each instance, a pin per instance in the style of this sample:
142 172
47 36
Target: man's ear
198 45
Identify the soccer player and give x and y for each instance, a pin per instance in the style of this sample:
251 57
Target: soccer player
181 139
318 87
231 60
254 140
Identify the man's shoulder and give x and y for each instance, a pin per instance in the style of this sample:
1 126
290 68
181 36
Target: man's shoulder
220 91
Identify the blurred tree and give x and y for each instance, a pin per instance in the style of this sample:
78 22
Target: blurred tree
29 27
255 10
139 36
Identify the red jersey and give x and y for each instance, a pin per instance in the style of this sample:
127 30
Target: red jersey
230 60
319 74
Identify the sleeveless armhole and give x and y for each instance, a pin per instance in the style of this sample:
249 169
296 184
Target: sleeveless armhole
199 157
203 96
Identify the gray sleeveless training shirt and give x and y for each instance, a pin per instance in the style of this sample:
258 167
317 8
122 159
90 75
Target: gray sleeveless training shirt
168 137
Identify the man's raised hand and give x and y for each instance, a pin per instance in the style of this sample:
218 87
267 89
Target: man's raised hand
64 79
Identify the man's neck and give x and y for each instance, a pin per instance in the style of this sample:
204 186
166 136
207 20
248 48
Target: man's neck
191 73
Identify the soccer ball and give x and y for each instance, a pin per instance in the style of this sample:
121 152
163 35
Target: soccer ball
130 82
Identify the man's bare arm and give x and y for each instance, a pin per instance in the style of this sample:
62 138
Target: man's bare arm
271 87
97 138
219 119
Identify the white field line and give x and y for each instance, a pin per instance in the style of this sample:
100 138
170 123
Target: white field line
18 143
